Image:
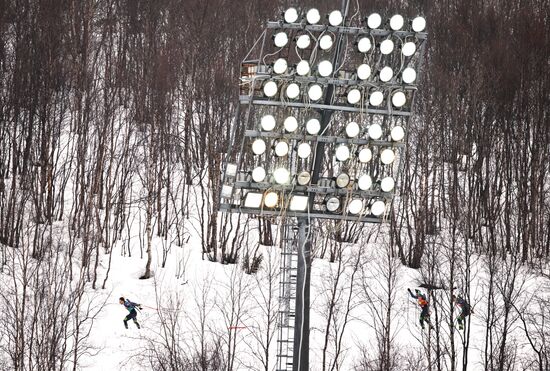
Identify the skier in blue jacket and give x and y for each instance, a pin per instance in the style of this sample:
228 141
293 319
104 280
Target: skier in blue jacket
466 310
132 309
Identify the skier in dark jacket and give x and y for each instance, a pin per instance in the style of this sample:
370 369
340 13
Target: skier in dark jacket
132 309
423 302
465 310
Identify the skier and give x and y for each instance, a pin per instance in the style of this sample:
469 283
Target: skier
132 309
423 302
465 310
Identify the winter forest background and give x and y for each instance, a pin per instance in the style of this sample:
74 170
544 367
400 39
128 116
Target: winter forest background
114 119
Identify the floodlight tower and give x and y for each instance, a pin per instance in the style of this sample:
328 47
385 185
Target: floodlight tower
319 134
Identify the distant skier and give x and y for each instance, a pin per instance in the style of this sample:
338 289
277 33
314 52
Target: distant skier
423 302
132 309
465 310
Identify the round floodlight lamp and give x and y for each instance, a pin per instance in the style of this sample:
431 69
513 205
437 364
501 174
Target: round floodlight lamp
333 204
258 174
291 124
364 182
291 15
386 46
271 199
303 41
302 68
280 39
313 16
355 206
386 74
258 146
378 208
303 178
304 150
364 44
363 71
342 153
270 89
342 180
325 42
408 49
335 18
408 75
280 66
352 129
325 68
375 131
387 184
281 176
365 155
281 149
396 22
387 156
374 20
313 126
268 122
293 91
354 96
418 24
397 133
376 98
398 99
315 92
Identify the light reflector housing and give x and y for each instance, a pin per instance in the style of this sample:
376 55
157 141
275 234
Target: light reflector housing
291 15
364 182
291 124
408 75
342 180
315 92
303 178
386 46
363 72
271 199
342 153
398 99
387 156
364 44
231 170
418 24
280 66
355 206
268 122
303 41
365 155
313 16
304 150
298 203
397 133
280 39
375 131
253 200
376 98
333 204
396 22
302 68
281 149
293 91
352 129
281 176
387 184
386 74
335 18
325 68
325 42
374 20
258 146
354 96
408 49
270 89
258 174
313 126
378 208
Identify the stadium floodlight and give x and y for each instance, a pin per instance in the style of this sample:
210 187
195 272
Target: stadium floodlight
313 126
352 129
303 178
302 68
387 156
397 133
280 66
376 98
281 176
397 22
374 21
313 16
270 89
386 46
378 208
364 182
342 180
291 124
303 41
281 148
268 122
398 99
355 206
363 71
335 18
364 44
280 39
375 131
253 200
408 49
315 92
325 42
227 191
386 74
258 147
304 150
418 24
291 15
354 96
293 91
387 184
333 204
231 170
325 68
342 153
298 203
271 199
408 75
365 155
258 174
